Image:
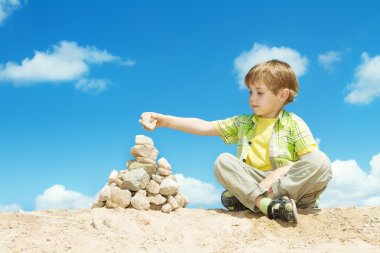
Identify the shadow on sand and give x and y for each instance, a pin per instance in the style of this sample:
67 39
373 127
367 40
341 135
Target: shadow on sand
251 215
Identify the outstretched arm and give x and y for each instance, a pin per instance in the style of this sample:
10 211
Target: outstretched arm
151 120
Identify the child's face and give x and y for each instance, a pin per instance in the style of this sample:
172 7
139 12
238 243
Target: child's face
264 102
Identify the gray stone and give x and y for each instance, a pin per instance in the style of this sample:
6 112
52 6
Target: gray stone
185 201
122 171
145 150
116 181
157 178
105 192
149 168
153 187
172 202
142 139
140 201
164 172
148 194
167 208
172 177
129 163
114 174
119 198
157 199
148 122
155 207
135 180
168 187
163 163
98 204
181 199
145 160
141 193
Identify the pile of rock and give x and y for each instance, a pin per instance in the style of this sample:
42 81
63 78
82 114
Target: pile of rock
143 185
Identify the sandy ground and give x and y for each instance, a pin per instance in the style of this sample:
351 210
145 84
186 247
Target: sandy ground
189 230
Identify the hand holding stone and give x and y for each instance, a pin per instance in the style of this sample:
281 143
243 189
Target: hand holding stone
149 120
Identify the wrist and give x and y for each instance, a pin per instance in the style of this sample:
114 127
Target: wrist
164 120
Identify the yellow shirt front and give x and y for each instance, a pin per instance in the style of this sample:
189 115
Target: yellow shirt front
258 154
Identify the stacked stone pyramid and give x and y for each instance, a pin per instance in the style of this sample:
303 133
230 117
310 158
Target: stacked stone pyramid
144 185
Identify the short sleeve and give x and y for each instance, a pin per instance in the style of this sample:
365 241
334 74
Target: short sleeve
228 129
303 138
307 149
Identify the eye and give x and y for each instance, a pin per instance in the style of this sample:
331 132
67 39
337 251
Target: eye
250 92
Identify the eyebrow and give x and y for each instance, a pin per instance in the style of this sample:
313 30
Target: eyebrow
259 88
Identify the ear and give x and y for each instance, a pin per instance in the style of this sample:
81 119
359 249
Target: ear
284 95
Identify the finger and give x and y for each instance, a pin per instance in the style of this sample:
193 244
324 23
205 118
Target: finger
145 116
154 116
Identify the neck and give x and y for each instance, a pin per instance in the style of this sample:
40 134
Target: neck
272 115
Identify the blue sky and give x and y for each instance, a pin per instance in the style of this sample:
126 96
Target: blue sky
76 75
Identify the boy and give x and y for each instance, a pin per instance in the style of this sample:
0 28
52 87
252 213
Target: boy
278 165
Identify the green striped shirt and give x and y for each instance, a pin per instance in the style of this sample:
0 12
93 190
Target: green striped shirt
291 137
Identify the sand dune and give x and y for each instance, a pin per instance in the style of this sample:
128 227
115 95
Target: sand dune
189 230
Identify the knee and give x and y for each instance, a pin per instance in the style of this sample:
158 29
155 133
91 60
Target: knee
221 162
223 158
319 161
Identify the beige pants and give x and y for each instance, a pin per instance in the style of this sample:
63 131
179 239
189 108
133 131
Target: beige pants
304 182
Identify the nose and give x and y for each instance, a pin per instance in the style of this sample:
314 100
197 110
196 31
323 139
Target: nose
251 98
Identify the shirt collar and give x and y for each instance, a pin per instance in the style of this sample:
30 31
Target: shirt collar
283 117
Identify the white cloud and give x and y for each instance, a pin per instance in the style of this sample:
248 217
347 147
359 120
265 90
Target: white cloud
57 197
351 186
198 192
260 53
94 86
7 7
328 59
63 63
128 63
11 208
366 86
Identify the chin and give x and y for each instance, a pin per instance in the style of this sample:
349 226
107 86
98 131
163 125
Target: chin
257 113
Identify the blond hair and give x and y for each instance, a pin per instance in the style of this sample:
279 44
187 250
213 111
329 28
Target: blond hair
276 75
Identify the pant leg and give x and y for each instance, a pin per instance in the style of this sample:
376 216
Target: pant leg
305 180
240 179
